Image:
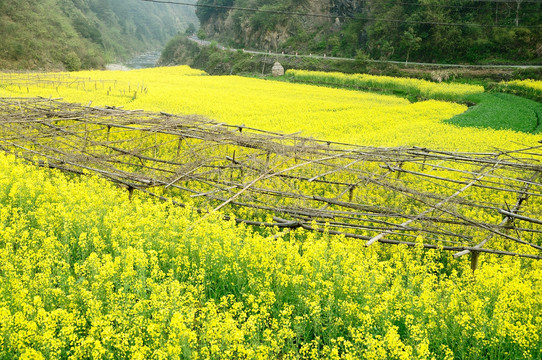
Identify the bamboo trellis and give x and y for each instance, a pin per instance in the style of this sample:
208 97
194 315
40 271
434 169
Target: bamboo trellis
487 202
52 80
28 80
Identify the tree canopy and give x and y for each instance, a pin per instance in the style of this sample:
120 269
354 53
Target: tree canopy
469 31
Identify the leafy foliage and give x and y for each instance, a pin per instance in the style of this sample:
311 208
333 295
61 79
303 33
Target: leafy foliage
396 30
56 34
205 13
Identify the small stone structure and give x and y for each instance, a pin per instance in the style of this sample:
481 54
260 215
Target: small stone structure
277 69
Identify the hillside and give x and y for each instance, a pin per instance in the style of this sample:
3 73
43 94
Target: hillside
61 34
465 31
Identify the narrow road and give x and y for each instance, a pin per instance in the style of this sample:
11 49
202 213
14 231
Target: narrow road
207 43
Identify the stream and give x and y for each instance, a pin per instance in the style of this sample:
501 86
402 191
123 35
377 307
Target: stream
141 61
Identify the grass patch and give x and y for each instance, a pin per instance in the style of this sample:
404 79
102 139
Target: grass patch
501 112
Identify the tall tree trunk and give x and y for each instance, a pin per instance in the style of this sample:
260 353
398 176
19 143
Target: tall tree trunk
518 3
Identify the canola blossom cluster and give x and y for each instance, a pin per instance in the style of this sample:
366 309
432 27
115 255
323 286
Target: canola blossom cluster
530 84
88 273
326 113
416 87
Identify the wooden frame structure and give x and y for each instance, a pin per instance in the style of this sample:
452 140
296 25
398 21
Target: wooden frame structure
468 203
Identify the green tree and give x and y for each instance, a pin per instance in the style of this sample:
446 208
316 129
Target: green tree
411 41
206 10
72 61
190 29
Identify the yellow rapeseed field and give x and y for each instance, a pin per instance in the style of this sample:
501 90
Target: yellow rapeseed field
87 272
424 88
531 84
333 114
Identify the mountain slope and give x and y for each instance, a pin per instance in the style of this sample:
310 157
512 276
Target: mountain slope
73 34
467 31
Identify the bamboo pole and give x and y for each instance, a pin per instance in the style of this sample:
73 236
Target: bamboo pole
143 150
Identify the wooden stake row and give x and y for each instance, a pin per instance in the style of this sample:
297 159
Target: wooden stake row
456 201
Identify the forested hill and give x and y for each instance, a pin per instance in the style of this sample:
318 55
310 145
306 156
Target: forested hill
468 31
75 34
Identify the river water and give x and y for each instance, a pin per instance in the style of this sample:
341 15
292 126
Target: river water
142 61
